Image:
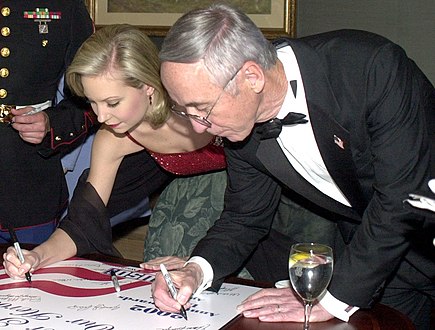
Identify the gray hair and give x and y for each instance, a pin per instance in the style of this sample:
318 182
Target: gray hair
223 36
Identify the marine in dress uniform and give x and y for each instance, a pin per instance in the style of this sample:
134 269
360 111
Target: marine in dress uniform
38 41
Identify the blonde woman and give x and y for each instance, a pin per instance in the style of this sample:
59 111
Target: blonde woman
117 70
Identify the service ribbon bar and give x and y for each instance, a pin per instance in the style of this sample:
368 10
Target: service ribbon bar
42 13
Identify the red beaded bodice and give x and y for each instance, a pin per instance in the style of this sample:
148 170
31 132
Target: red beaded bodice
208 158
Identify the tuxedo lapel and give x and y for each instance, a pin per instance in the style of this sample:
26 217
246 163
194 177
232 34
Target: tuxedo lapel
272 157
334 145
333 140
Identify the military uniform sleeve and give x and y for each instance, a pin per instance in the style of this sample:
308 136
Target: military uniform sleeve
70 123
72 118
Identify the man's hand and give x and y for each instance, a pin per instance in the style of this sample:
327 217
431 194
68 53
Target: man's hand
31 128
186 280
279 305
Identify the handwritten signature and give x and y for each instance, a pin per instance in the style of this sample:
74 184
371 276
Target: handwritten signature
79 308
20 297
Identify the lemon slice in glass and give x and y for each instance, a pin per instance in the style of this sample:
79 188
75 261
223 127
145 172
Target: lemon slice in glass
294 258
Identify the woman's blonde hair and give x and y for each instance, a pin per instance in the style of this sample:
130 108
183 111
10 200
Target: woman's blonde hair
132 54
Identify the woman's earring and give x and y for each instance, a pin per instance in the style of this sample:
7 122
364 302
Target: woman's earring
151 100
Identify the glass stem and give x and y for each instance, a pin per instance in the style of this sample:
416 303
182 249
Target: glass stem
308 305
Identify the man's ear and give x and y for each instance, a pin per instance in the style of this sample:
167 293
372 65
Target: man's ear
254 76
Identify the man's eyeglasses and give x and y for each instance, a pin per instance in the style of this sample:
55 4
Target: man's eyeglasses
181 111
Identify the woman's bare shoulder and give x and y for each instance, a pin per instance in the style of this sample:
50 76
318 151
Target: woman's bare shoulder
115 144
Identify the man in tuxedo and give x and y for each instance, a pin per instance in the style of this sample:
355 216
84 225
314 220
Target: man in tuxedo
353 144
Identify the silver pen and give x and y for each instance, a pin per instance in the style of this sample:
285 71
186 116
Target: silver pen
19 252
172 288
115 280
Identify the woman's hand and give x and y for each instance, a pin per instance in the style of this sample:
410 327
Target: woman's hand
13 266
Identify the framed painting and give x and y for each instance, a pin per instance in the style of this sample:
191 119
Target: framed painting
155 17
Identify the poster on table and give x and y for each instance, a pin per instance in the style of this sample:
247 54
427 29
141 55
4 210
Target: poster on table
78 294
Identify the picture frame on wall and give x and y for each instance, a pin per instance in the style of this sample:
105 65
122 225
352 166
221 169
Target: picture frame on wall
274 17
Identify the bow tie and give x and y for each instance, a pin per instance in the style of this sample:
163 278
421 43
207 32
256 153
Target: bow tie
272 128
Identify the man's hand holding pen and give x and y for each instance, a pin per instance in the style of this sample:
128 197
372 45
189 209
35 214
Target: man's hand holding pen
186 280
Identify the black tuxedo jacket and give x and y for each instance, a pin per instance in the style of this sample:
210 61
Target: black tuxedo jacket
368 105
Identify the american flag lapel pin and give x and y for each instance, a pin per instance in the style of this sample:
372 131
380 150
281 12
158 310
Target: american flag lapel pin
339 142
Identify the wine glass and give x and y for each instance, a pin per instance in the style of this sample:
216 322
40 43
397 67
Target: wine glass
310 270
